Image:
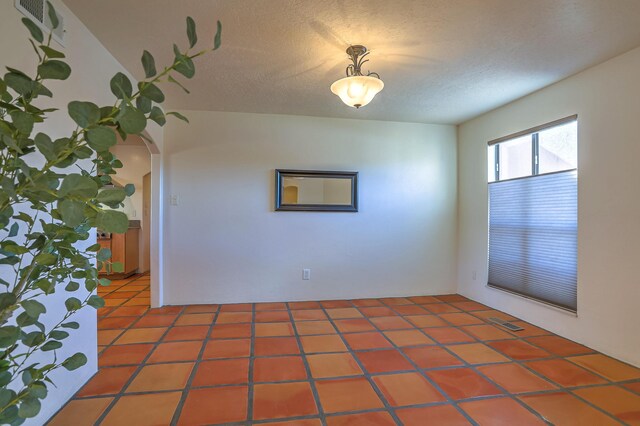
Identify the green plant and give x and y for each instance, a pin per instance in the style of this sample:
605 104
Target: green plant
51 196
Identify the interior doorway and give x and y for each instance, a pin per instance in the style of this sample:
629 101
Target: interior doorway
130 292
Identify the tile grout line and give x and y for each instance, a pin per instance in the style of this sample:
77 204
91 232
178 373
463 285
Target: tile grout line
365 373
196 364
307 367
115 397
139 367
250 379
418 370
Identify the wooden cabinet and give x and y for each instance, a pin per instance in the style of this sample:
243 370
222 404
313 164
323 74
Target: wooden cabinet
124 249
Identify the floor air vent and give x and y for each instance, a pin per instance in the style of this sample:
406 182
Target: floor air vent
506 324
37 11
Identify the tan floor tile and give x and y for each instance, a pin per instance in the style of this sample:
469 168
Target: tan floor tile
143 410
81 412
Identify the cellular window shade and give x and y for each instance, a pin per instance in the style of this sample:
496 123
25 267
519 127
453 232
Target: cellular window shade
533 225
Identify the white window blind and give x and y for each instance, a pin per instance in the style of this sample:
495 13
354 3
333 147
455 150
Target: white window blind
533 217
533 237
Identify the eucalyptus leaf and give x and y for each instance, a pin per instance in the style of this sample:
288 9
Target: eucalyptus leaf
152 92
178 115
8 335
51 52
84 114
101 138
131 120
72 212
72 286
29 407
13 231
54 70
7 299
53 16
149 64
51 345
185 66
104 254
22 121
158 116
73 304
75 361
121 86
34 338
129 189
112 221
72 325
217 40
143 104
33 308
95 301
35 31
78 185
45 146
191 31
58 334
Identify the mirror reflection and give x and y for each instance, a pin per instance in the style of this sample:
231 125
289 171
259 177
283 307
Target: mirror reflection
316 190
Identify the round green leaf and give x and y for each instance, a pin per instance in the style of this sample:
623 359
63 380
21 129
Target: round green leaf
33 339
104 254
73 304
131 120
54 70
78 185
30 407
101 138
6 300
129 189
51 345
72 212
33 308
84 114
95 301
152 92
8 335
121 86
113 221
112 196
75 361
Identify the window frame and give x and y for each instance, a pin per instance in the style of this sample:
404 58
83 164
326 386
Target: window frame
535 148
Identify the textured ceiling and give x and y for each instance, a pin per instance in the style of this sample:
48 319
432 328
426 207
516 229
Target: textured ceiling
442 61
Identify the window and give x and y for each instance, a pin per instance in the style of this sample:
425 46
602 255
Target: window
533 213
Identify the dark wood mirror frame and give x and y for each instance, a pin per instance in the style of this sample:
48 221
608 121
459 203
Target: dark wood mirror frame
282 206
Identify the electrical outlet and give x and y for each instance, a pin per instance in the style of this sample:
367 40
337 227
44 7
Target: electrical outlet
173 200
306 274
473 275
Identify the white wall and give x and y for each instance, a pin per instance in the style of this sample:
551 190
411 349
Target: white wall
92 68
607 101
225 243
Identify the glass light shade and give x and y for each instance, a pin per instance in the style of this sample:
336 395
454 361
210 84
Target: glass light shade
357 91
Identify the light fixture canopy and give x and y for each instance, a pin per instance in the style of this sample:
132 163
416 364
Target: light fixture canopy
356 89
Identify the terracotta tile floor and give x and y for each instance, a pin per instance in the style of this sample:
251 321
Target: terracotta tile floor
412 361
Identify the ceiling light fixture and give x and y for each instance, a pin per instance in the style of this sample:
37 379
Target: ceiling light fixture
356 89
